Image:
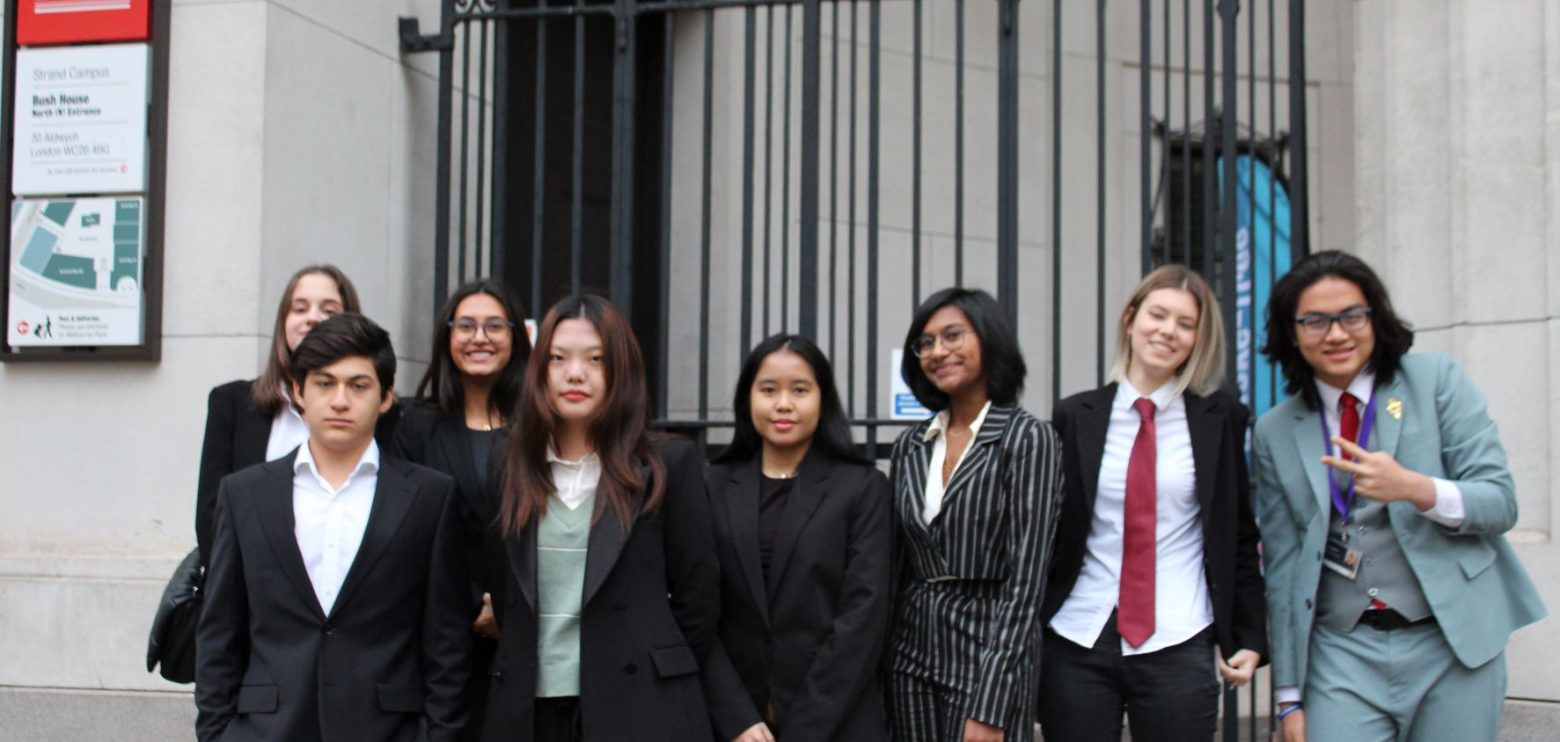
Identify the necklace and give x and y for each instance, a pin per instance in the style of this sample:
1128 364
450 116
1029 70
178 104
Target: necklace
783 475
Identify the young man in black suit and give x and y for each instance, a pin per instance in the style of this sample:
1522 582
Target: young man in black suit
334 603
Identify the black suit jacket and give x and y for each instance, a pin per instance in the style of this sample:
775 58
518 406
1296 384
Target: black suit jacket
650 602
387 660
236 436
1217 424
808 640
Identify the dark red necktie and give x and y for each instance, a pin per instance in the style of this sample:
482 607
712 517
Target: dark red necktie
1349 418
1135 602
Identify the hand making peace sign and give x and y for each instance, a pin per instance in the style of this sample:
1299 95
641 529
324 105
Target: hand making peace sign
1380 477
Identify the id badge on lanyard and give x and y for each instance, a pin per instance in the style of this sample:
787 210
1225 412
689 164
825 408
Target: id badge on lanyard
1339 556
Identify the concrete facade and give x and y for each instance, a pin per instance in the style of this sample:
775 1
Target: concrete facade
300 134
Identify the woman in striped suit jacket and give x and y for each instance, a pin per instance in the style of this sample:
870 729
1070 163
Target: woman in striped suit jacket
977 488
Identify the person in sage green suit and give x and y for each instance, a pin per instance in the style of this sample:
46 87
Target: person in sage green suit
1384 493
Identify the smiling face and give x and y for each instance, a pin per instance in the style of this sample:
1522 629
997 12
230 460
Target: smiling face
1338 355
784 400
341 403
952 370
576 375
314 297
483 350
1162 332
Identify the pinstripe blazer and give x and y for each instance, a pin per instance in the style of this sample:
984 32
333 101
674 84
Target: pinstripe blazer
997 524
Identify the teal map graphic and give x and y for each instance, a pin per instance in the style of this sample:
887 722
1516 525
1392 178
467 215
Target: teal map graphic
76 271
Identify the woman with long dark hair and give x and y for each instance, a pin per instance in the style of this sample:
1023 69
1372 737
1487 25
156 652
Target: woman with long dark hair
250 421
803 525
613 579
976 488
1156 560
457 426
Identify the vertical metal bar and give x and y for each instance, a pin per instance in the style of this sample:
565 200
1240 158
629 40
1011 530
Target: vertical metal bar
483 104
834 181
498 240
1272 189
705 213
664 318
1228 123
769 170
915 157
1299 176
874 91
1056 201
1145 133
807 229
624 124
441 206
1186 132
850 238
1210 122
465 159
958 143
748 71
539 172
785 181
1100 204
1164 165
1007 158
578 197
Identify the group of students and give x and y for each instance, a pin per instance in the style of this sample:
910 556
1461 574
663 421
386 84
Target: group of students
516 555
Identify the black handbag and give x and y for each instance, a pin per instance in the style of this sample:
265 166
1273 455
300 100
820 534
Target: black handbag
172 641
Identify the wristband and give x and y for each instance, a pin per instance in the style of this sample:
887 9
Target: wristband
1293 707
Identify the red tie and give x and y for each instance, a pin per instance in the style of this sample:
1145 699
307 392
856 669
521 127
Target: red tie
1135 602
1349 418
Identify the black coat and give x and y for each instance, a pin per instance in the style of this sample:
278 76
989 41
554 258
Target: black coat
808 639
1217 424
650 602
387 660
236 436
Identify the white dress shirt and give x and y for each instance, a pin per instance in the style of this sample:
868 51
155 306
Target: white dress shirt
1182 607
288 431
935 485
329 522
576 480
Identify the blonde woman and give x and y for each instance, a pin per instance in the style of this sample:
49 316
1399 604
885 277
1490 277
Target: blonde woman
1156 561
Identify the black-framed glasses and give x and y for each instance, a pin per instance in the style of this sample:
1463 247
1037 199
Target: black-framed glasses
1316 324
952 339
466 328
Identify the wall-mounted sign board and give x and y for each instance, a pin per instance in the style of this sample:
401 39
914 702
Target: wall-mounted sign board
76 272
41 22
80 120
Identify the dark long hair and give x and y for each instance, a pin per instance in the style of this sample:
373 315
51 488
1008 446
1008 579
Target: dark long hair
441 386
266 391
1393 335
1001 361
833 434
620 431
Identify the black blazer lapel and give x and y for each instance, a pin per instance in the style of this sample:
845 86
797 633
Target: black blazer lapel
742 495
1204 423
251 436
450 433
393 496
808 493
607 538
912 477
273 504
974 458
1093 423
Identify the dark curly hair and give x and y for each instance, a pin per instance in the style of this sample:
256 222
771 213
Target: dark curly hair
1393 335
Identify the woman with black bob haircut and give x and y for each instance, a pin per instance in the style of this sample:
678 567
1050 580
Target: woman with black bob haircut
977 490
1394 336
803 525
458 426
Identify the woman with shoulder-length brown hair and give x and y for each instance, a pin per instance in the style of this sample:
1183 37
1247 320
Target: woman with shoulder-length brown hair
251 421
1156 562
613 580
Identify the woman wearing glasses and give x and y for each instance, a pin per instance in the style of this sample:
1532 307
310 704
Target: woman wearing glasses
1384 495
457 426
976 488
1156 559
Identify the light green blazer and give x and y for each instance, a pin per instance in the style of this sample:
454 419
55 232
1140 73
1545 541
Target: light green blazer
1476 589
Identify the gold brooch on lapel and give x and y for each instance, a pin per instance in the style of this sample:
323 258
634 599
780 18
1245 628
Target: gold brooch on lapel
1395 408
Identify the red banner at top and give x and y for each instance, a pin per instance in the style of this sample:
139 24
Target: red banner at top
76 21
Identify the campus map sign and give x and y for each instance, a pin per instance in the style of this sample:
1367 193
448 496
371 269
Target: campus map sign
76 272
80 120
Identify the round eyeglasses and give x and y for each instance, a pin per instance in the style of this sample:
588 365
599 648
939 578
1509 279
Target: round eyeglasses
1317 324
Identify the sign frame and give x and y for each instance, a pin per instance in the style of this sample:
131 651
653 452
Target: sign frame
150 348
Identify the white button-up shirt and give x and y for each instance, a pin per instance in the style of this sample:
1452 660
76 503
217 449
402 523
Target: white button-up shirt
329 522
288 431
936 432
575 480
1181 604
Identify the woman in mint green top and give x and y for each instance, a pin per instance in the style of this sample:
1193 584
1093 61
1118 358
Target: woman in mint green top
613 578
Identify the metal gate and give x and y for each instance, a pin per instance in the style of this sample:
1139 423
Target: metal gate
724 169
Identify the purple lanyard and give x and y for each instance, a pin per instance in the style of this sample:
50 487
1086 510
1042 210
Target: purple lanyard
1368 421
